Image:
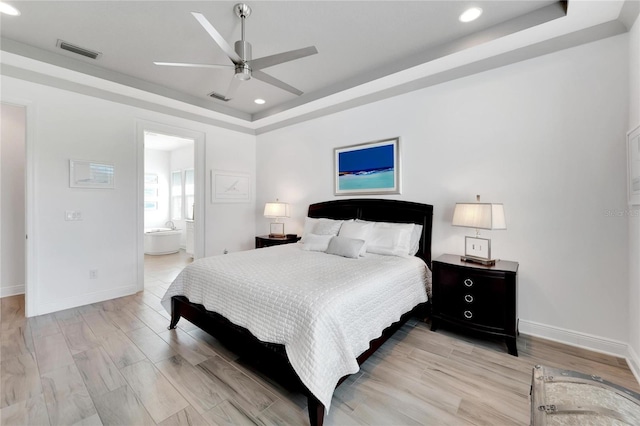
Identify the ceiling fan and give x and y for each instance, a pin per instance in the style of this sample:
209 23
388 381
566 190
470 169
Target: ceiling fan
245 67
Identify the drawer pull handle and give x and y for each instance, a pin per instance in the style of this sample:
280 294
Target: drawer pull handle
468 282
468 298
468 314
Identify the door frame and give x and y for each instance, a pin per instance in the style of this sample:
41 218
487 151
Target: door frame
30 207
199 164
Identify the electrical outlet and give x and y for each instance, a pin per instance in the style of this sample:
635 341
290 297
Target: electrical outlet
72 215
93 274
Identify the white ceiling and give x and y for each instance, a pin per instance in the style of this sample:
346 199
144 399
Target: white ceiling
365 48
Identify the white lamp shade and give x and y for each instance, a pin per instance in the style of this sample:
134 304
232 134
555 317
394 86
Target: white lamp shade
276 210
479 216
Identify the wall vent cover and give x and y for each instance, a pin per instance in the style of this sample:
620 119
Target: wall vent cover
78 50
218 96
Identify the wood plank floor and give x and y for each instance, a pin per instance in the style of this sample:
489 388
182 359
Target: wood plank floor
115 363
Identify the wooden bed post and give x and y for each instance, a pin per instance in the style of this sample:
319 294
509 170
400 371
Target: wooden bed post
175 314
316 411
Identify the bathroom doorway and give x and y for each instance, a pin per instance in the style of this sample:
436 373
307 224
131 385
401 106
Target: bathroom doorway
170 190
169 198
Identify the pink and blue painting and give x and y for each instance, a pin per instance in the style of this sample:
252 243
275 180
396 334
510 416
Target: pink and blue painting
370 168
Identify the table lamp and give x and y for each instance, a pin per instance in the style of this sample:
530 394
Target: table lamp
276 210
479 216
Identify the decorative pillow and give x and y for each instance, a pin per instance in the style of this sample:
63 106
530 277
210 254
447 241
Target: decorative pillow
345 247
415 240
390 238
357 230
315 242
320 227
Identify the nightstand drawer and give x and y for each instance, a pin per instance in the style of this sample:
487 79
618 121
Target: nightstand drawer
473 298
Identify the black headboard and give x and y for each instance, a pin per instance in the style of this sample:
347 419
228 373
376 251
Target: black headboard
379 210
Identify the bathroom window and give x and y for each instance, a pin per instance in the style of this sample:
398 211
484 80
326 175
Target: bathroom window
189 193
176 195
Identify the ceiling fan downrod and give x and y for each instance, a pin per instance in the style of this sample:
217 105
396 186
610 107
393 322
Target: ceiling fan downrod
242 47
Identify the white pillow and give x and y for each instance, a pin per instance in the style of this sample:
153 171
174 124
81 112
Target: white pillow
390 238
415 240
315 242
357 230
345 247
320 227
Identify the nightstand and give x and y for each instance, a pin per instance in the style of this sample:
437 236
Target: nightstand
476 297
267 241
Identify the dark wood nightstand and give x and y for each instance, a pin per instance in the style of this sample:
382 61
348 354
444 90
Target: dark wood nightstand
267 241
476 297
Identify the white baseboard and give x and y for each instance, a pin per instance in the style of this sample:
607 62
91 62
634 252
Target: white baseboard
574 338
11 290
634 363
85 299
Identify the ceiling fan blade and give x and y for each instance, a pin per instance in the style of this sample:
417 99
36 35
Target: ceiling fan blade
269 61
183 64
233 86
215 35
275 82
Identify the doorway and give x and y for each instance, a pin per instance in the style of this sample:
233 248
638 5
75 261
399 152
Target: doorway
171 196
12 200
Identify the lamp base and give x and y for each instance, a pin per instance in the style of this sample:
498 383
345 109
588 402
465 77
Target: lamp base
478 260
276 230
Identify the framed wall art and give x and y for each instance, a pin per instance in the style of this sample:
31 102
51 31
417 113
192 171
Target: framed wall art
91 174
368 168
230 187
633 166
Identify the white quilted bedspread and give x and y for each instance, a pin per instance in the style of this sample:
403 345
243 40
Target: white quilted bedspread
324 309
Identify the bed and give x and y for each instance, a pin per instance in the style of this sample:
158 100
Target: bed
308 341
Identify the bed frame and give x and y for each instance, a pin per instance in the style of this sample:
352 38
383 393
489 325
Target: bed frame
271 358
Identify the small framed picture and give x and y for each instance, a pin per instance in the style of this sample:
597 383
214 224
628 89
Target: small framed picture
479 248
230 187
91 174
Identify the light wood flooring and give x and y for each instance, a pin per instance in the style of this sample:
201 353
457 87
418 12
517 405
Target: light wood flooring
116 363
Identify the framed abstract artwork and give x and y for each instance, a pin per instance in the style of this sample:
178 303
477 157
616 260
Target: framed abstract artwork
368 168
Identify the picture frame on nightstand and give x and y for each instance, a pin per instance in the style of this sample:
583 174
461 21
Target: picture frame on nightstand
478 248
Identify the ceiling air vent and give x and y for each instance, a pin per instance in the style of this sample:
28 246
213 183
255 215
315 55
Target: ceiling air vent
78 50
218 96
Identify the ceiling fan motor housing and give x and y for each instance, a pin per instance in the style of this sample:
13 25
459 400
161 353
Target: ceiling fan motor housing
243 49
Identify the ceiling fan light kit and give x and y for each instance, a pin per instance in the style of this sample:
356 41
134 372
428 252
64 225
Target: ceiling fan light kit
245 67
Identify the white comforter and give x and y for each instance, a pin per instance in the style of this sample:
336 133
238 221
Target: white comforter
324 309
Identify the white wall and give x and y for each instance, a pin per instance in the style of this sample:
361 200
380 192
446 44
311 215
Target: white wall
158 162
72 125
12 225
634 216
543 136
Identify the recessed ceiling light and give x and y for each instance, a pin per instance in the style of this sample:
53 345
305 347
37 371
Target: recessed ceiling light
260 101
470 14
8 9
